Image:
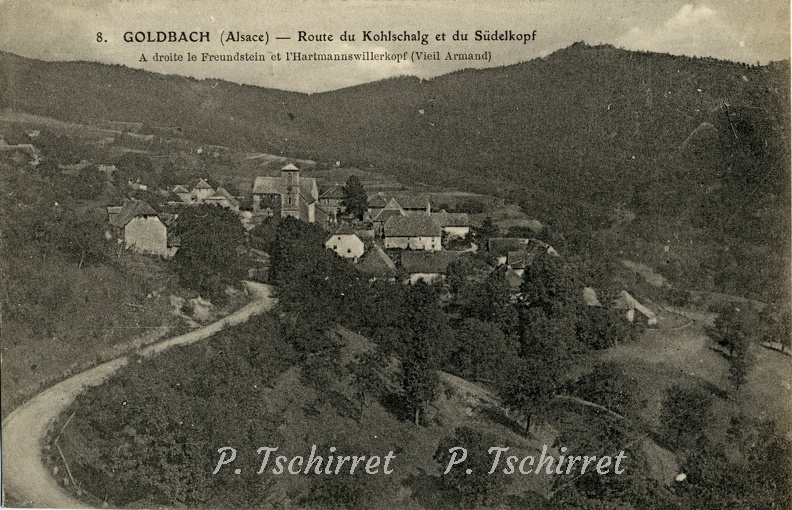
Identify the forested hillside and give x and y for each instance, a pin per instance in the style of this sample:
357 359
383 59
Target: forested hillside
697 148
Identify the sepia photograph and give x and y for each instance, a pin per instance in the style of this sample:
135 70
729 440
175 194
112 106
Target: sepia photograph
391 254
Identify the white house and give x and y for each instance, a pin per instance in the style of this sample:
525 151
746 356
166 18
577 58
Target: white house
346 244
453 224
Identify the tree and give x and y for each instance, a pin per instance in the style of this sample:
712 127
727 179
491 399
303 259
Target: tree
479 487
486 230
207 260
549 285
79 236
609 386
730 331
684 416
527 389
738 369
133 166
480 349
419 383
355 200
366 379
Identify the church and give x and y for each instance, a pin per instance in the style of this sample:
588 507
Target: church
286 195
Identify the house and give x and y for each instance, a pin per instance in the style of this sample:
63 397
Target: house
413 232
624 301
202 191
345 243
392 208
331 199
142 229
376 265
414 204
224 199
513 280
376 202
183 194
590 297
519 260
287 195
427 266
453 224
500 247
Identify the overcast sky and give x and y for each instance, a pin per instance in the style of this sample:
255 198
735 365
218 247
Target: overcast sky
740 30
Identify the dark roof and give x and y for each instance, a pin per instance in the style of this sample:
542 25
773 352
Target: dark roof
520 259
131 209
375 263
276 185
221 194
385 214
408 201
504 245
377 201
446 219
413 225
513 279
343 229
336 192
202 184
428 262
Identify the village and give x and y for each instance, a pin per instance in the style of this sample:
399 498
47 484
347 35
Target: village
395 237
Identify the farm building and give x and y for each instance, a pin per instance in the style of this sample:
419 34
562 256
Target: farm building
624 301
413 232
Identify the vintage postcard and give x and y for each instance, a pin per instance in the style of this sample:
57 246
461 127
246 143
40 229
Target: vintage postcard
395 254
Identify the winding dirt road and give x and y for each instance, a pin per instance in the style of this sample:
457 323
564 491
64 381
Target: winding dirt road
25 477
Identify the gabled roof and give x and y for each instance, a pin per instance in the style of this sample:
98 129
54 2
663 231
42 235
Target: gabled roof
428 262
343 229
504 245
131 209
377 201
335 192
275 185
290 168
446 219
513 279
391 209
267 185
202 184
221 194
624 301
375 263
412 202
180 189
520 259
414 225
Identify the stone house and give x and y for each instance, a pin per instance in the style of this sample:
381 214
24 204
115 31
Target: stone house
142 229
413 232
